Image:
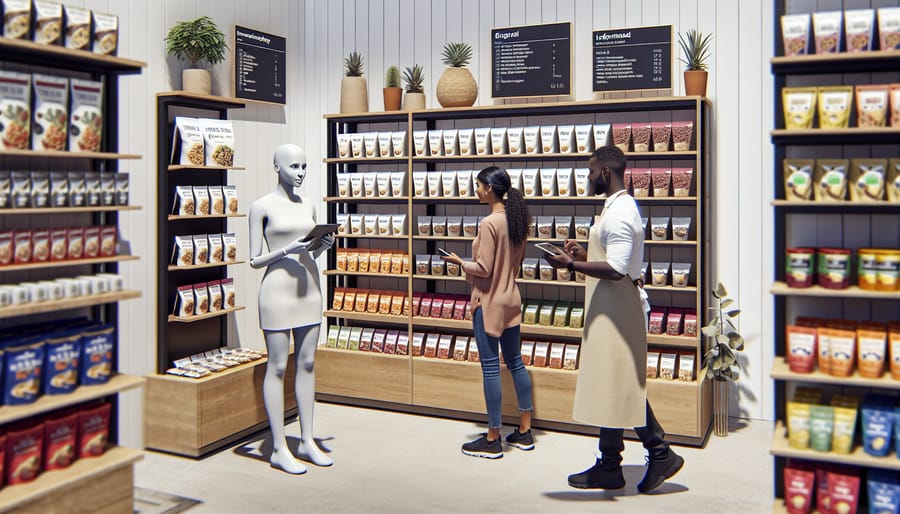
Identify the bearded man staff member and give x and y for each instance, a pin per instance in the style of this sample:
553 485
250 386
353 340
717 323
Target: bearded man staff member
611 388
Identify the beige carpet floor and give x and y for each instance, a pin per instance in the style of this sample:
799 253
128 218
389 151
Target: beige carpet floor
392 462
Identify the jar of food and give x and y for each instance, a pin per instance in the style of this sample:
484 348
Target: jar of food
888 263
867 269
799 267
834 268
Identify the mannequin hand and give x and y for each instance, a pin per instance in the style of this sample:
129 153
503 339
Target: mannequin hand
296 247
326 243
574 249
455 259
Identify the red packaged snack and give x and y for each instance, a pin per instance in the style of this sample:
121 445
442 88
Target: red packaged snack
424 306
431 344
75 239
108 241
437 305
60 434
58 245
468 310
798 489
690 323
93 431
447 310
834 268
6 247
844 492
40 244
378 340
23 453
22 243
673 322
91 242
657 316
418 343
801 348
459 310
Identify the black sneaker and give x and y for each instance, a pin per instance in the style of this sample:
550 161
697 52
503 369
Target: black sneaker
522 441
599 476
660 467
481 447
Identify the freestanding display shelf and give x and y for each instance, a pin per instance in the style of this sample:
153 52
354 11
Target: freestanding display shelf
422 384
104 483
842 224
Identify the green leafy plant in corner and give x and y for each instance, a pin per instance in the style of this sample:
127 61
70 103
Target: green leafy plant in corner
724 339
197 40
414 79
695 47
353 65
457 55
392 77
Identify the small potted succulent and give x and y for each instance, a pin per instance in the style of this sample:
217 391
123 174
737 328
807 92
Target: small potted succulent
354 89
393 93
457 86
695 47
413 80
196 41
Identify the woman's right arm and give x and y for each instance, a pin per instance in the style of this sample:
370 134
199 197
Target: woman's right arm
482 263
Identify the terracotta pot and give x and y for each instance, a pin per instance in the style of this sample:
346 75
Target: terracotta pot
695 83
414 101
195 80
720 408
392 98
354 94
457 88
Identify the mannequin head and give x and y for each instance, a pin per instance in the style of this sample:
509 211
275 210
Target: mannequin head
290 164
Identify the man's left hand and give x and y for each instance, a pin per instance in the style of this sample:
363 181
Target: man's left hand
559 260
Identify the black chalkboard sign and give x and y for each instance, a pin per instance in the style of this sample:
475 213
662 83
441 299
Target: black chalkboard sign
635 58
259 66
534 60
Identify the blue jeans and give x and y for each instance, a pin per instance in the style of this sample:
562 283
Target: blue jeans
490 367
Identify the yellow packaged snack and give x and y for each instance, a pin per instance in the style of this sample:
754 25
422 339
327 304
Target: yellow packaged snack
798 179
843 431
893 180
831 180
867 180
834 106
798 424
871 105
799 105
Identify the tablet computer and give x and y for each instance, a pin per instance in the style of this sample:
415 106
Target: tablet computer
314 237
549 248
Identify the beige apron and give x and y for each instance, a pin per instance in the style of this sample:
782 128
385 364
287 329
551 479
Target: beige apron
612 380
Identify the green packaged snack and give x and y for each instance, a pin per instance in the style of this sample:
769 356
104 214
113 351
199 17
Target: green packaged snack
545 316
530 314
561 314
821 427
576 317
343 341
333 331
355 336
844 429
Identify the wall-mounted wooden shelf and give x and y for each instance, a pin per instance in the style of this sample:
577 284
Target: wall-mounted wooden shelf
201 317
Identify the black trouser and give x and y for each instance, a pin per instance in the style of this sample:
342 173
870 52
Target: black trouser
612 439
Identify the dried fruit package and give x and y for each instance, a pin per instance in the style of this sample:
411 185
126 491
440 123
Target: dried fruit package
218 136
871 105
51 98
15 113
827 31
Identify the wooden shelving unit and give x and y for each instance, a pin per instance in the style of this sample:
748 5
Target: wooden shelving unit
106 482
173 267
201 317
792 228
435 383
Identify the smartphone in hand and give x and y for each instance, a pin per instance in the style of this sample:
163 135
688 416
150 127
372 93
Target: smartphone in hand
549 248
444 252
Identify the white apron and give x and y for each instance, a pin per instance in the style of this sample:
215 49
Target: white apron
611 389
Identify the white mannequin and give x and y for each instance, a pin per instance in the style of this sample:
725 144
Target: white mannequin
290 300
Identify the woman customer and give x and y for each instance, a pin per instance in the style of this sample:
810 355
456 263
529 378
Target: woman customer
497 254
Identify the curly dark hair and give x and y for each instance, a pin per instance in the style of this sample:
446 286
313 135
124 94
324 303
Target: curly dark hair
612 157
517 217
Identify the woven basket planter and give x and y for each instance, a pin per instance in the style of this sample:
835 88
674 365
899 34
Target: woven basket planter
457 88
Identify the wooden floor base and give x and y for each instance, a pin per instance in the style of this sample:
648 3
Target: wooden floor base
193 417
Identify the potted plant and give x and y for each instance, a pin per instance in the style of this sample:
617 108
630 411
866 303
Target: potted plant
196 41
457 86
393 93
354 90
721 355
413 79
695 47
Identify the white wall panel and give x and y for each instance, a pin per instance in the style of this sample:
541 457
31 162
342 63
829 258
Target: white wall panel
321 33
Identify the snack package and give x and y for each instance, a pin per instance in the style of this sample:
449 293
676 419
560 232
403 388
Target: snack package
450 140
201 200
827 31
15 110
531 138
184 200
601 134
40 189
549 139
219 140
531 179
795 34
668 363
60 440
384 144
798 179
867 180
659 228
584 138
420 143
566 138
482 137
16 19
201 298
92 189
434 183
86 116
859 25
582 184
686 372
51 101
799 104
230 243
682 133
661 132
830 181
23 452
564 182
97 347
889 28
77 28
652 364
661 179
681 272
640 136
548 181
370 185
105 32
834 104
640 182
621 136
872 105
435 143
893 180
499 144
107 189
77 189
